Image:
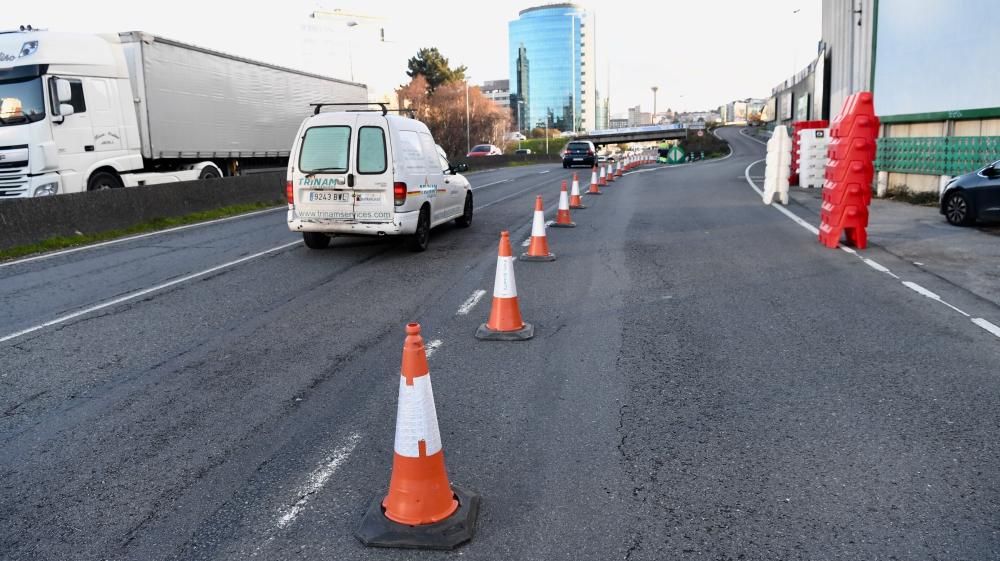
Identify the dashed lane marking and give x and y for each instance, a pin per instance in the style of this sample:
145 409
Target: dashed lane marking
471 302
478 187
145 291
432 346
987 326
317 480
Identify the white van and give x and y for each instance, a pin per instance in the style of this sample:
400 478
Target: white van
372 174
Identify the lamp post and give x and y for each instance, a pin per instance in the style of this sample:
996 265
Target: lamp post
350 54
468 124
652 117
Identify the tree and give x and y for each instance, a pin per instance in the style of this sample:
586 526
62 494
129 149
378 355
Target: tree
433 66
444 114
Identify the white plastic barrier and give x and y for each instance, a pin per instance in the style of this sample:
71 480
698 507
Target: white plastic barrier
812 156
779 163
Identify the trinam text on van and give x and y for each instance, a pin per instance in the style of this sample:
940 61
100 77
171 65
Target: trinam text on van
321 182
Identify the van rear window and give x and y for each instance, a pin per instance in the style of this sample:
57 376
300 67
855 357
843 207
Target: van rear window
325 149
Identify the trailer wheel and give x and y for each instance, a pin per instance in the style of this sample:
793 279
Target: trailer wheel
103 180
209 172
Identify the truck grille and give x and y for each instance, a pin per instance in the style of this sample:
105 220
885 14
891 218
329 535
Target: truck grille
14 180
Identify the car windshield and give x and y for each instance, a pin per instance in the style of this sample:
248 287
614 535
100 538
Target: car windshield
21 101
578 146
481 148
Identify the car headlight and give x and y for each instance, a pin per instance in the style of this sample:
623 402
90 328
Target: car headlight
47 189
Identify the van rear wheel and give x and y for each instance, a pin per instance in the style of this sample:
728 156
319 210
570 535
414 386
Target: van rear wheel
420 238
316 240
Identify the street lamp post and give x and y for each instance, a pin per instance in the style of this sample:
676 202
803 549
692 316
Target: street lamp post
652 118
468 124
350 54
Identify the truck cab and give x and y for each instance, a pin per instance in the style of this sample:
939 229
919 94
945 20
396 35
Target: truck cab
66 115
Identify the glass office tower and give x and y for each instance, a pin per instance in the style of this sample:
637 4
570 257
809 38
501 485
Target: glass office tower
552 68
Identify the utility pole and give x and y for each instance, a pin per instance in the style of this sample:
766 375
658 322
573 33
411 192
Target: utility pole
546 133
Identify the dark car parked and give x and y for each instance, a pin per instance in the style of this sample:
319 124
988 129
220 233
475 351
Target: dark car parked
973 196
580 153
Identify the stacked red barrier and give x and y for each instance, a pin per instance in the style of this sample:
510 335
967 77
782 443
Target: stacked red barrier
797 126
850 168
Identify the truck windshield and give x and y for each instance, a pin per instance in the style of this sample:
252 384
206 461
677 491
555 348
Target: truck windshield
21 101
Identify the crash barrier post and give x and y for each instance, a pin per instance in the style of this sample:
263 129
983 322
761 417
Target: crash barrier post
813 144
850 169
422 509
779 154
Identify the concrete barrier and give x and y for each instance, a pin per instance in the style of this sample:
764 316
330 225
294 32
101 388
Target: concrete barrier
27 221
490 162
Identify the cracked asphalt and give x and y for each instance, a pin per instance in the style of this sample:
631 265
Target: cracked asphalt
706 382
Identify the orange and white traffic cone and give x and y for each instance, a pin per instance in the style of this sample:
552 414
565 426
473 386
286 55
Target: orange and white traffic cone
618 169
563 219
422 509
575 202
603 177
594 189
505 323
538 249
611 173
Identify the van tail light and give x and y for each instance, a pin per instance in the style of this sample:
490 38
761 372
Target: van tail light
399 193
290 193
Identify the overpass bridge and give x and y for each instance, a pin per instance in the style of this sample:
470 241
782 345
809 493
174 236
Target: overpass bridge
652 133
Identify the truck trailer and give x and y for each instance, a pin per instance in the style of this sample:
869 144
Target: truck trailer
83 112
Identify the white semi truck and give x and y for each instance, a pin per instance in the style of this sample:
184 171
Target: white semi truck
83 112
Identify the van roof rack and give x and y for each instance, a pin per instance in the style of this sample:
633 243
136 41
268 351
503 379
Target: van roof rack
385 110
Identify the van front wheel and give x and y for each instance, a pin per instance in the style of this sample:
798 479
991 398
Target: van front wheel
422 236
465 220
315 240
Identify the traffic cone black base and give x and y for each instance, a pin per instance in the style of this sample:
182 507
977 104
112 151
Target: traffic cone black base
566 225
580 206
486 334
378 531
549 257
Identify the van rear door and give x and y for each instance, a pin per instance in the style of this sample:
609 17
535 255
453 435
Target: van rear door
373 195
321 184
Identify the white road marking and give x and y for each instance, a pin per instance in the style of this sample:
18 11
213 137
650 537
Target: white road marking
526 242
878 267
316 480
139 236
511 196
471 302
432 346
546 171
478 187
924 292
145 291
549 223
987 326
795 218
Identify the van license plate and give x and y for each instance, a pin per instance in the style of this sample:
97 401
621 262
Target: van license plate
327 197
577 159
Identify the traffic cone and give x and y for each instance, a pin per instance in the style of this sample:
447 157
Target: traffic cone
563 219
594 189
618 169
538 250
575 202
611 173
422 510
603 177
505 323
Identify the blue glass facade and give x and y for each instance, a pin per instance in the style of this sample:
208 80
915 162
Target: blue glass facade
547 54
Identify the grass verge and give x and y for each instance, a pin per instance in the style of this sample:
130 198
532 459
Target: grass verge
903 194
64 242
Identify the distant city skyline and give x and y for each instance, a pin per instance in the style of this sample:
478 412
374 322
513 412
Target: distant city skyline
700 54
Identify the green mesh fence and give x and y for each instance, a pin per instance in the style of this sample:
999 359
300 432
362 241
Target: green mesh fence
953 155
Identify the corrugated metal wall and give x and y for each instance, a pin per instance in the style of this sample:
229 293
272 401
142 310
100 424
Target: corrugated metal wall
850 47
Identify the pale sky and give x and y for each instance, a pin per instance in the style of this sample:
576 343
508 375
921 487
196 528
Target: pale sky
701 53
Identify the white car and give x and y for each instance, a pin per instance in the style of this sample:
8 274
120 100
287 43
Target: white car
372 174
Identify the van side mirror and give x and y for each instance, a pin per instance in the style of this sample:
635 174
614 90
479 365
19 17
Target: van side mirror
461 168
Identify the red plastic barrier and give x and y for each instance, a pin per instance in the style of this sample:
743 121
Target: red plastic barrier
797 126
849 172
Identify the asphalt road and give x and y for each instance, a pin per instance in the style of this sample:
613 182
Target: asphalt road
706 382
